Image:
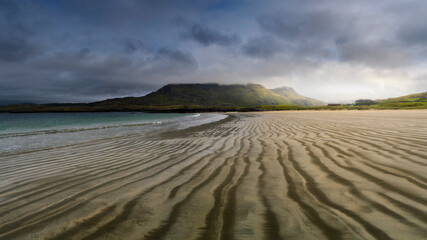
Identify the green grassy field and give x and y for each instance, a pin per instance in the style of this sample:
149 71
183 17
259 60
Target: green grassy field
197 108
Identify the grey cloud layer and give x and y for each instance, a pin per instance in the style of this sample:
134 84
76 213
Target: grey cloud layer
15 35
205 35
262 47
55 51
87 76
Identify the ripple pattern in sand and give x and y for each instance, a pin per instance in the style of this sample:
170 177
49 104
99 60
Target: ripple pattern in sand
278 175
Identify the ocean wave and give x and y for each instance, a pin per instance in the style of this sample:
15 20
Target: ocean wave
67 130
16 142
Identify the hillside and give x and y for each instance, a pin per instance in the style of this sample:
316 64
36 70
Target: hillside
295 98
214 98
183 97
417 99
250 95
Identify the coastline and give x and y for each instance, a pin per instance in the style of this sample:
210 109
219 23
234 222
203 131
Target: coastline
268 175
218 110
17 141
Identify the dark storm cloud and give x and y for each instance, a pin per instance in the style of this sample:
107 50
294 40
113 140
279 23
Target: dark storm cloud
262 47
414 31
92 76
76 70
303 33
14 34
205 35
56 51
344 36
15 49
305 24
177 56
378 53
415 34
84 52
132 45
412 27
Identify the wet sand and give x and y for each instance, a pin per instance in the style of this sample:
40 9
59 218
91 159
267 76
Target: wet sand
276 175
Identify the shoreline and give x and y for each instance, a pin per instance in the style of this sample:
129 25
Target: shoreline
64 135
220 111
268 175
197 109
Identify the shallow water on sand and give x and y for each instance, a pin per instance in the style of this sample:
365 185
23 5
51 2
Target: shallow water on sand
28 122
30 131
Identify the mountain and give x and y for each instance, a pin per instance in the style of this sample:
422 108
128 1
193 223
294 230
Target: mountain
295 98
250 95
184 97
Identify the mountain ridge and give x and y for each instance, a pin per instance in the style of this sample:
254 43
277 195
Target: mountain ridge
296 98
213 94
255 97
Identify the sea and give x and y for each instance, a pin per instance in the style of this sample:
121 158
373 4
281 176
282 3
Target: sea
22 132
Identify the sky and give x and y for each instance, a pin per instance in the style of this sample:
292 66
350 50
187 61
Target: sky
332 50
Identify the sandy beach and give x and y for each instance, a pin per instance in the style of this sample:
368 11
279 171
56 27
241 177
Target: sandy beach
274 175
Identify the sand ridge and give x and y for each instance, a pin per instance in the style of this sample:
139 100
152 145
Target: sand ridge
275 175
